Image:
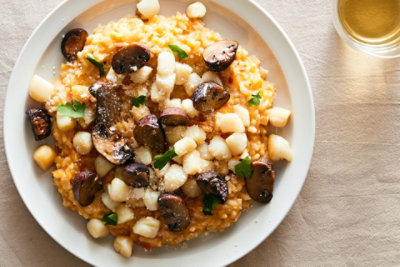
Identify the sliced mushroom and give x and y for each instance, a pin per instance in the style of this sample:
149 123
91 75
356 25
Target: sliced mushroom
261 184
72 43
220 55
209 96
85 185
40 122
174 211
213 183
174 116
150 133
111 145
131 58
136 175
108 103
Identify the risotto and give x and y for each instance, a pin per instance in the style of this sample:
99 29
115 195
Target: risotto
161 128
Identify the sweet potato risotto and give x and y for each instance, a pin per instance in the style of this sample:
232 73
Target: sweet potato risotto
161 128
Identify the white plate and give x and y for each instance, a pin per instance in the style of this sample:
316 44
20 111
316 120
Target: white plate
242 20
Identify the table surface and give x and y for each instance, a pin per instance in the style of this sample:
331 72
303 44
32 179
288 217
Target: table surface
348 212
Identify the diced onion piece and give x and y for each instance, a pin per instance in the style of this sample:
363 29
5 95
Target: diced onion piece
230 123
174 178
192 163
204 153
44 157
118 190
162 88
174 134
187 106
80 93
143 155
243 113
166 64
147 227
65 123
148 8
108 202
141 75
113 77
279 148
40 89
125 214
96 228
151 199
184 146
191 189
219 149
82 142
210 76
102 166
182 72
206 165
173 103
88 117
123 245
278 117
237 143
196 10
136 193
196 133
193 81
139 112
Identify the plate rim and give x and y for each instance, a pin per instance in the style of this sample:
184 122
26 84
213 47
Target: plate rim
6 121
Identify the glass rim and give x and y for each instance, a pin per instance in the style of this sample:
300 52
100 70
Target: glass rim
380 51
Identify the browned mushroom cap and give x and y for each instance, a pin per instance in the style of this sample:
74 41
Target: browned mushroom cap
73 42
150 133
261 184
209 96
108 103
220 55
111 145
85 185
213 183
174 116
136 175
40 122
130 59
174 211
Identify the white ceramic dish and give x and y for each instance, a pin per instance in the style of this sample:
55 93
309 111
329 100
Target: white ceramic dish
242 20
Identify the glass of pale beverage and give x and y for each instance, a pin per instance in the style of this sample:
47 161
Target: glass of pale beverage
370 26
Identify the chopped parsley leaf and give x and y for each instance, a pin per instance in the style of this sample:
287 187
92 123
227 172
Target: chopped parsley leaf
210 201
137 101
76 110
243 169
178 51
161 161
110 219
255 100
97 63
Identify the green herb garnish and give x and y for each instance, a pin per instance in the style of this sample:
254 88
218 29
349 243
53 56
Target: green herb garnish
137 101
255 100
243 169
178 51
97 63
110 219
161 161
210 201
76 110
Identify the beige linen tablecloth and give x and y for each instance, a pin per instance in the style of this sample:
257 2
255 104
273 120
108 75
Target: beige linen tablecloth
348 212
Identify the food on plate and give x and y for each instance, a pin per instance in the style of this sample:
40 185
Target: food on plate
161 128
